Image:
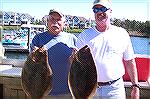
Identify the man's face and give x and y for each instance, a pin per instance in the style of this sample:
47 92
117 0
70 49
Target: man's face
102 15
55 23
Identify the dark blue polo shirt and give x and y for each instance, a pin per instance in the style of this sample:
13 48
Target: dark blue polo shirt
58 56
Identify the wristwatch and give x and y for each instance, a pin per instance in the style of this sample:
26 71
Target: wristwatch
136 85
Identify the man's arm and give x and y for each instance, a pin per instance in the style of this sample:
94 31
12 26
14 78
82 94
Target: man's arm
132 71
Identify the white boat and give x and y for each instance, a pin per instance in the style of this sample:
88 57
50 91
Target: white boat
20 40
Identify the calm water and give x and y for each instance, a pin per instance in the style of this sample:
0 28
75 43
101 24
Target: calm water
140 45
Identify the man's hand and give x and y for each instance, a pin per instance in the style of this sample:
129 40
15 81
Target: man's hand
72 56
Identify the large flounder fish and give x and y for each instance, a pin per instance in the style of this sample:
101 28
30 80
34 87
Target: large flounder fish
36 78
82 78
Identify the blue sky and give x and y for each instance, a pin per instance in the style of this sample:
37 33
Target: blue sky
128 9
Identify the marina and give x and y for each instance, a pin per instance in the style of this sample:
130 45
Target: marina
21 20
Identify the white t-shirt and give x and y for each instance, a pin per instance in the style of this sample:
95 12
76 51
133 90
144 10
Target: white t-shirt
108 49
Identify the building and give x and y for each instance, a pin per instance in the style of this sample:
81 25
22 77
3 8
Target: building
77 22
74 22
13 18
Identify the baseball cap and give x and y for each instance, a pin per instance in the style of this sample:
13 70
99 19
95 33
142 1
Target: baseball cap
55 11
105 3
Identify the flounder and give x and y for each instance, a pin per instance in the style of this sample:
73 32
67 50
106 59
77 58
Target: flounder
82 78
36 77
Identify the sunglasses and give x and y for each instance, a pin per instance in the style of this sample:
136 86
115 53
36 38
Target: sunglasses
101 9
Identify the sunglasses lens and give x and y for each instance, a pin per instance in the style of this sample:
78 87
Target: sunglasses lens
95 10
102 9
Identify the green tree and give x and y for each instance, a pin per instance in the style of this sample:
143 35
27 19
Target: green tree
127 24
117 22
147 28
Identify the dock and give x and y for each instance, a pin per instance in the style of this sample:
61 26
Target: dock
15 48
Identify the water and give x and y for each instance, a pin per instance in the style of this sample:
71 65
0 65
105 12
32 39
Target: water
140 45
16 55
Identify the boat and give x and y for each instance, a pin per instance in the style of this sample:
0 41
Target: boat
19 41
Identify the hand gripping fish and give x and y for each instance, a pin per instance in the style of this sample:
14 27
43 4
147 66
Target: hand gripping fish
36 78
82 78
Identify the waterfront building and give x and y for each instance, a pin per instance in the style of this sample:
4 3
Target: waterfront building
14 18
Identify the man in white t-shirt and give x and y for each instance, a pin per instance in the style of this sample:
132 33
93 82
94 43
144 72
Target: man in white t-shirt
109 45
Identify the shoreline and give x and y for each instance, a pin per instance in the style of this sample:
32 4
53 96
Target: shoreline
140 36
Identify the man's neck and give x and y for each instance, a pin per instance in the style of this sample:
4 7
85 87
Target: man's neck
102 29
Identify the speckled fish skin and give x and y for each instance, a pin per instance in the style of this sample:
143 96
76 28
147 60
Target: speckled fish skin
82 78
37 75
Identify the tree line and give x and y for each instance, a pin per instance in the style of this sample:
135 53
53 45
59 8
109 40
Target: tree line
141 28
